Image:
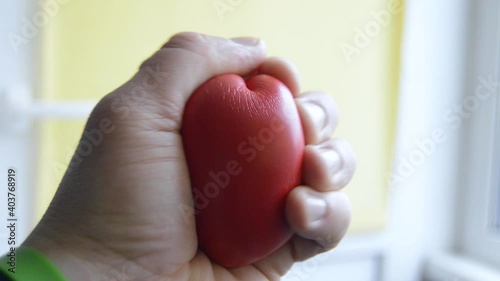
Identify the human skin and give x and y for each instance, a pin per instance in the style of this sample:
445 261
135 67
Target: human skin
116 215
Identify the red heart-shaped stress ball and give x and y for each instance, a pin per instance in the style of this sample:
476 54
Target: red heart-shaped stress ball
244 147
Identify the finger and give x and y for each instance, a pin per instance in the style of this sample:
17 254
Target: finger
319 216
328 166
320 221
187 60
284 71
319 115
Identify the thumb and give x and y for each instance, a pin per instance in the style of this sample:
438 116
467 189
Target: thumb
185 62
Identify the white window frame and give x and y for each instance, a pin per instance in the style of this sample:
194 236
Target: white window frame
479 238
19 113
17 137
440 69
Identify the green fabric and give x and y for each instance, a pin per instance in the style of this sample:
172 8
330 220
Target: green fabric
30 265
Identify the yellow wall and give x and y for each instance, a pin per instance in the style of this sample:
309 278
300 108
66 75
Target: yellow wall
93 46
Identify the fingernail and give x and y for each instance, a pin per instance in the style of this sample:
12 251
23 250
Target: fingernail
333 160
317 115
247 41
315 208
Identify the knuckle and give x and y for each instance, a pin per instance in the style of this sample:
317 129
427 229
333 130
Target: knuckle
104 108
179 47
186 40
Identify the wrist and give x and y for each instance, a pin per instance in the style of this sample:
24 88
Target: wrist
75 257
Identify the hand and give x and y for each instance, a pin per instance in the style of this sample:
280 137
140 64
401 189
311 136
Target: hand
116 212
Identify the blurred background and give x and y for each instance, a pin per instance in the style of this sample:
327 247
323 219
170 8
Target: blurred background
415 81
